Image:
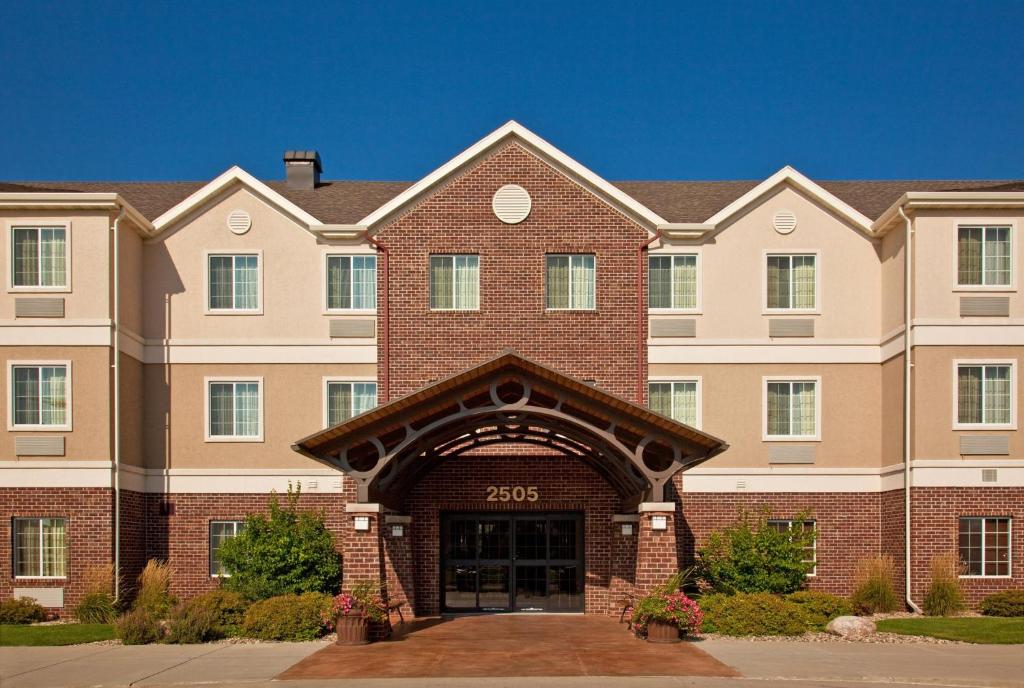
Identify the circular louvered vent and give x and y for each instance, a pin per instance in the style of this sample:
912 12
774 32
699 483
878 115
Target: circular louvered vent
511 204
239 221
784 221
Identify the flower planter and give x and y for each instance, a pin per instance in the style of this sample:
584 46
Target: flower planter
352 628
661 632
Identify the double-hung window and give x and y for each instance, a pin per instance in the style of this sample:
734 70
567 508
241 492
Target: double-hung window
234 283
984 256
792 282
791 409
679 400
348 399
221 531
571 282
40 396
455 282
39 258
984 394
351 282
985 546
40 548
234 410
672 282
811 549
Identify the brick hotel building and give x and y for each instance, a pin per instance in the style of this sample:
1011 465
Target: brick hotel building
511 385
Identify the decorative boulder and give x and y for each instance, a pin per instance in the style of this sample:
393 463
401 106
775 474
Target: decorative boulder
851 627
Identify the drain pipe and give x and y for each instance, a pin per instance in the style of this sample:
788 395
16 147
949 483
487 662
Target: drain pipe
641 318
385 358
908 273
116 467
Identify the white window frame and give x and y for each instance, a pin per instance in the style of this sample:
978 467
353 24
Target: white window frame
207 381
349 379
323 292
816 379
35 224
14 551
814 547
569 256
668 253
259 283
1009 547
965 223
766 254
699 379
67 425
968 362
454 309
238 524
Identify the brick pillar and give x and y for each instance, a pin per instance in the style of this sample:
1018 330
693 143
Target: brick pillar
656 554
399 562
623 564
363 556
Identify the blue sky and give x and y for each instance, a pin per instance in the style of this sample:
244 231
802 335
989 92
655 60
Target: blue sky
637 90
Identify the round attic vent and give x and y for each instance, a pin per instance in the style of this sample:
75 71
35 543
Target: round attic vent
239 221
784 221
511 204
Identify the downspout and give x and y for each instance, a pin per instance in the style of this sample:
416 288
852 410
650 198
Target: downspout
908 273
641 318
116 467
385 374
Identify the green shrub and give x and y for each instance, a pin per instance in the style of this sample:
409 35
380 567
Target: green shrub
818 608
96 608
210 616
287 551
1006 603
138 627
154 593
874 592
288 617
944 597
21 610
752 556
751 614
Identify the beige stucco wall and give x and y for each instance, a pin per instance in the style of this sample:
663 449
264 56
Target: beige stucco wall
893 292
891 428
130 279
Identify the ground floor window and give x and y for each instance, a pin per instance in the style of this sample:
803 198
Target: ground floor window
221 531
985 546
40 548
811 551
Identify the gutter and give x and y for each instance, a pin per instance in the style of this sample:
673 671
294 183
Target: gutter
384 373
642 318
116 466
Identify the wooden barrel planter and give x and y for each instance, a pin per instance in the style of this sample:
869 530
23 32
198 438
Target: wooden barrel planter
352 628
661 632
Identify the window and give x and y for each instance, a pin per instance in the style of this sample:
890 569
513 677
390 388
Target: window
347 399
234 283
351 282
791 409
220 531
985 546
39 257
792 282
983 256
677 400
40 548
455 283
672 282
234 410
571 282
40 396
811 550
984 394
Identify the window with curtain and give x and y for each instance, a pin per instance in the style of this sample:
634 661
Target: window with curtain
455 283
39 257
220 532
983 256
40 395
571 282
234 409
672 282
351 282
40 548
792 408
791 282
984 394
676 399
985 546
234 282
348 399
810 551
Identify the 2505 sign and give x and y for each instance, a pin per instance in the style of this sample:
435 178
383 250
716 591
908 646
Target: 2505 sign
512 493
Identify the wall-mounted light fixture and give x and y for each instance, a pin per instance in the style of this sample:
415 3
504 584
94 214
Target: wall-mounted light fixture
397 530
659 522
361 523
627 528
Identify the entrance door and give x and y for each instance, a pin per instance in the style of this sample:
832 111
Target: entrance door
517 561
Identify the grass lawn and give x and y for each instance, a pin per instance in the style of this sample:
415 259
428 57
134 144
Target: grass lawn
56 634
989 630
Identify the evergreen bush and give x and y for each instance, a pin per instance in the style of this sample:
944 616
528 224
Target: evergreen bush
289 617
1006 603
21 610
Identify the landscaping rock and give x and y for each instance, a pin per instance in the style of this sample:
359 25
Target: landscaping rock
851 627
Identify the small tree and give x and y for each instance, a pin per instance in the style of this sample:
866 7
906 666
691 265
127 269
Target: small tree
284 552
751 556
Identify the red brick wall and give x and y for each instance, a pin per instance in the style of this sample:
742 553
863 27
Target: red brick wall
892 535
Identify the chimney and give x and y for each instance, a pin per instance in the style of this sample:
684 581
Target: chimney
302 169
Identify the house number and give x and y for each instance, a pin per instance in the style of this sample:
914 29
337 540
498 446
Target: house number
516 493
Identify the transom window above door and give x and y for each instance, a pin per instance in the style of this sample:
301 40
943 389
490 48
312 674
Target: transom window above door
233 283
39 258
351 282
571 282
984 256
455 282
792 282
672 282
984 395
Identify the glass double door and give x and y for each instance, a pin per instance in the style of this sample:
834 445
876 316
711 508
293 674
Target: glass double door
512 562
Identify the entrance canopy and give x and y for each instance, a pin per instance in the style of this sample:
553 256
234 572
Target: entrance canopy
509 400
